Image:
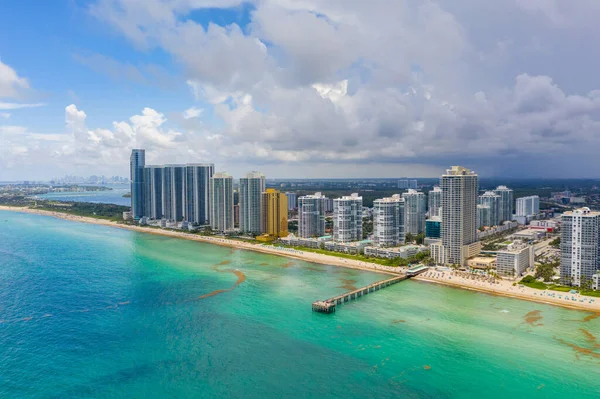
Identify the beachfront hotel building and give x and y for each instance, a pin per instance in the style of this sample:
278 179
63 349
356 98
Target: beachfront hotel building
197 193
347 218
292 200
506 203
528 206
434 201
250 190
493 202
414 212
274 213
515 259
459 217
137 161
579 246
221 201
311 216
388 221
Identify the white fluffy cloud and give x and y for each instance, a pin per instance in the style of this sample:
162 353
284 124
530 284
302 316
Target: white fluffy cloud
355 82
391 87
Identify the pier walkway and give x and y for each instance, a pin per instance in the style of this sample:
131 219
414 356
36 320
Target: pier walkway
329 305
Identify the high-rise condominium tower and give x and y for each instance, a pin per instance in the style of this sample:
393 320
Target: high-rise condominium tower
579 246
153 177
311 216
506 202
274 213
173 192
434 199
388 221
347 218
459 217
197 193
250 190
136 173
221 201
493 201
414 211
528 206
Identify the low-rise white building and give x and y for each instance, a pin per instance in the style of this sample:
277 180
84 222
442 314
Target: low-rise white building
354 248
308 242
515 259
596 281
406 251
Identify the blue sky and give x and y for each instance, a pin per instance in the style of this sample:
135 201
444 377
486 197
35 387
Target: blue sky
50 42
300 89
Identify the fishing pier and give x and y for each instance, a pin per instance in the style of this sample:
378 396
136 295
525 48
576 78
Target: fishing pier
329 305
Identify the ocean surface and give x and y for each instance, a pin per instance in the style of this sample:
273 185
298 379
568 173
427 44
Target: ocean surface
97 312
114 196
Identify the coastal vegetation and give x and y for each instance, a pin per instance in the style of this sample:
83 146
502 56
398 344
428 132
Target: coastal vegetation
423 257
532 282
100 211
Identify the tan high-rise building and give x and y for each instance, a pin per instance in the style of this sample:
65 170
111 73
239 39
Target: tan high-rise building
459 217
274 215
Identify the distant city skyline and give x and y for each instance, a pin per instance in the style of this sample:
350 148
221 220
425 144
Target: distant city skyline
326 89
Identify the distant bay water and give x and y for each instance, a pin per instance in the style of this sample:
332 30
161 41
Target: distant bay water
98 312
114 196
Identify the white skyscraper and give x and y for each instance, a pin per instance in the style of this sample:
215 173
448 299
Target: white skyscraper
414 212
434 198
459 217
506 202
221 201
580 246
347 218
493 201
311 216
250 191
528 206
388 221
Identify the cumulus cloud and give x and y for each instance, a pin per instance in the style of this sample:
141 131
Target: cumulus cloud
501 86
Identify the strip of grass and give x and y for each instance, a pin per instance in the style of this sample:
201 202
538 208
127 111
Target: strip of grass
538 285
384 262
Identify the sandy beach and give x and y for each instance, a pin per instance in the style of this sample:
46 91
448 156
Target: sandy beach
455 279
506 288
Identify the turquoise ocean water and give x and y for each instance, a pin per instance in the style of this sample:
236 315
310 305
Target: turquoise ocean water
97 312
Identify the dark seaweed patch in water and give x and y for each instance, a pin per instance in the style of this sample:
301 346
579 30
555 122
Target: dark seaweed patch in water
591 317
533 317
580 350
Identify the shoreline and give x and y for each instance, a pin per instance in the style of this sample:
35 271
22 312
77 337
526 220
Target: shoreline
503 288
329 260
